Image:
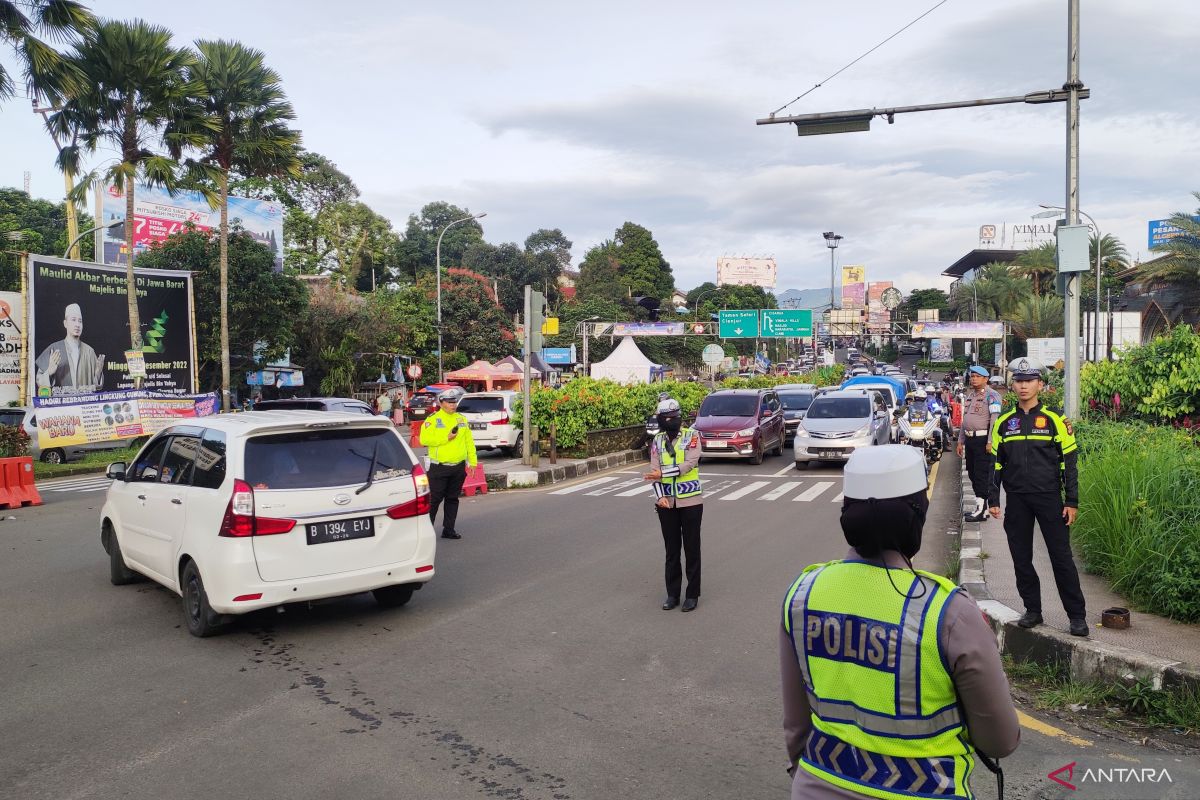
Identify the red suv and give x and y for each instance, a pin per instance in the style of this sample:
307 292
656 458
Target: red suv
741 423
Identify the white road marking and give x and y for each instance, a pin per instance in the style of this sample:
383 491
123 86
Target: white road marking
719 486
615 486
643 489
813 492
585 485
783 489
784 471
837 499
745 490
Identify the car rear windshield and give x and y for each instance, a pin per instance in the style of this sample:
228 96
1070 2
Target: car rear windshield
729 405
839 408
419 400
323 458
796 401
480 405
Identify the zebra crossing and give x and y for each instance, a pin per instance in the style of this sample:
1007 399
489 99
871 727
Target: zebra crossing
82 484
797 491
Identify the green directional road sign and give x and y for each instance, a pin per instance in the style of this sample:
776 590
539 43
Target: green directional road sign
787 322
739 324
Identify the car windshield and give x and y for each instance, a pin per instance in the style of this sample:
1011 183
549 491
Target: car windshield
796 401
729 405
839 408
419 400
323 458
289 405
480 405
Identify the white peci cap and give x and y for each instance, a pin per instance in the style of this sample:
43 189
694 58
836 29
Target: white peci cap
668 405
888 470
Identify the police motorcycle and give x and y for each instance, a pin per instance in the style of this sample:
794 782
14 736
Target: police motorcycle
921 428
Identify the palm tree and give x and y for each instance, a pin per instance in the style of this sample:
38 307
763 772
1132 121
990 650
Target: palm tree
1180 264
47 73
238 121
1037 317
1039 264
135 78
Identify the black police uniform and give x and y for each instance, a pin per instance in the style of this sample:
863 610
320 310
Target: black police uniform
1036 457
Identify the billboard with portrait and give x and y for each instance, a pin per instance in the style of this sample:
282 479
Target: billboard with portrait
854 287
157 214
12 322
78 329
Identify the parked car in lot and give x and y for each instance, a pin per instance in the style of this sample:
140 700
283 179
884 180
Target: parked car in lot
741 423
26 418
490 415
910 347
347 405
838 423
246 511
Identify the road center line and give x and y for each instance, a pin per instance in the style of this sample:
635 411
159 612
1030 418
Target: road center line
1049 730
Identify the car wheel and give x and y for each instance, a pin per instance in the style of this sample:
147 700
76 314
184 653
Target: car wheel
757 458
118 573
393 596
54 456
201 620
802 464
778 451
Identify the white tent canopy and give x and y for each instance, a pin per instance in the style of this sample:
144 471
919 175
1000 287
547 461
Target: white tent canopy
626 364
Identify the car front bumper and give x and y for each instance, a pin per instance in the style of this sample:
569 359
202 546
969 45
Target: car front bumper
727 448
806 448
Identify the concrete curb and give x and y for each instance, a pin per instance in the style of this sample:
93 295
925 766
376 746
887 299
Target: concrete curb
1088 659
544 474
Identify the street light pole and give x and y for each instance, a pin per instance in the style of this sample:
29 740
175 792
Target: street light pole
75 241
831 241
1071 311
583 328
438 257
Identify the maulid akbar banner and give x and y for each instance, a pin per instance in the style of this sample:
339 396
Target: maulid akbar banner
78 329
157 214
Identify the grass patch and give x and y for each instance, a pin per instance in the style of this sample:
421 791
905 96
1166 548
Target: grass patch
98 460
1052 688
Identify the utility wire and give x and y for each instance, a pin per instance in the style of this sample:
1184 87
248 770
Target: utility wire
860 58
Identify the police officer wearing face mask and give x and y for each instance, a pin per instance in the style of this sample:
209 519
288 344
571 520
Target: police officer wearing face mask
675 459
891 678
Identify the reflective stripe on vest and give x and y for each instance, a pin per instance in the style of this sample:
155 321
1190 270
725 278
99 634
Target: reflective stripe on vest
687 484
885 717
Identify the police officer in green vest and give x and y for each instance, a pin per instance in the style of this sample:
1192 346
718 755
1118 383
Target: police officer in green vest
675 458
447 434
891 678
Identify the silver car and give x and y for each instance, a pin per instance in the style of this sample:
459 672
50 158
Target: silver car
838 423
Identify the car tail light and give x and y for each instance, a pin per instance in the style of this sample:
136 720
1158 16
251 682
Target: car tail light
240 519
502 421
418 505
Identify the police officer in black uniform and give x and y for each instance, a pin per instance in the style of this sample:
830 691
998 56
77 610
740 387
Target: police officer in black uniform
1036 465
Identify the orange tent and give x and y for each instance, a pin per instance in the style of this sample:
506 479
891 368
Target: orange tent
485 376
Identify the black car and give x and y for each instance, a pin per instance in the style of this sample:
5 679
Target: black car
345 405
795 406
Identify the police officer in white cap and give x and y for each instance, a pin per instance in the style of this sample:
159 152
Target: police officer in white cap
679 502
891 678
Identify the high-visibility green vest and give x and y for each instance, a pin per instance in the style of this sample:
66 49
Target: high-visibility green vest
885 715
435 435
687 484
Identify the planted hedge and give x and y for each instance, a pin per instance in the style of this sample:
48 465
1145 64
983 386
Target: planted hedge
1159 380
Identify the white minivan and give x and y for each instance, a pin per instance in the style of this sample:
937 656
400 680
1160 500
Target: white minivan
239 512
490 415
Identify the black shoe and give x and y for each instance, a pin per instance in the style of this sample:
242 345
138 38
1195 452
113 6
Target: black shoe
1079 627
689 604
451 535
670 603
1030 619
977 517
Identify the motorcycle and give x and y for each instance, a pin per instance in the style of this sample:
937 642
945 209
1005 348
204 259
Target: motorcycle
922 429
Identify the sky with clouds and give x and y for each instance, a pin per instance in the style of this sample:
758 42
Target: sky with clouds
583 116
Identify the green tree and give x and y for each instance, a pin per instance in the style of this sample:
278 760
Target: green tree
358 238
1040 265
508 268
1037 317
600 274
642 266
417 252
23 26
30 225
237 118
920 299
474 322
996 291
1179 264
261 312
135 80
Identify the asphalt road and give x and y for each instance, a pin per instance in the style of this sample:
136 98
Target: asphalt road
536 664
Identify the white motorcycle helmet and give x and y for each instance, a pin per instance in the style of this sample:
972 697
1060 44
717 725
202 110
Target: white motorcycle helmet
920 394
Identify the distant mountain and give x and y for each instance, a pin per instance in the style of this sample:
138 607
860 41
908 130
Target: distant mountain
803 298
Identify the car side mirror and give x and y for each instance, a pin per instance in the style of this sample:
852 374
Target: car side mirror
116 471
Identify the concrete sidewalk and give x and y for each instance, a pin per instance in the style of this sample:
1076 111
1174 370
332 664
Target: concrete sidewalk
1153 648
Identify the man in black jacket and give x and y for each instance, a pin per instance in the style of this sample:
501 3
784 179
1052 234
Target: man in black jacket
1036 465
